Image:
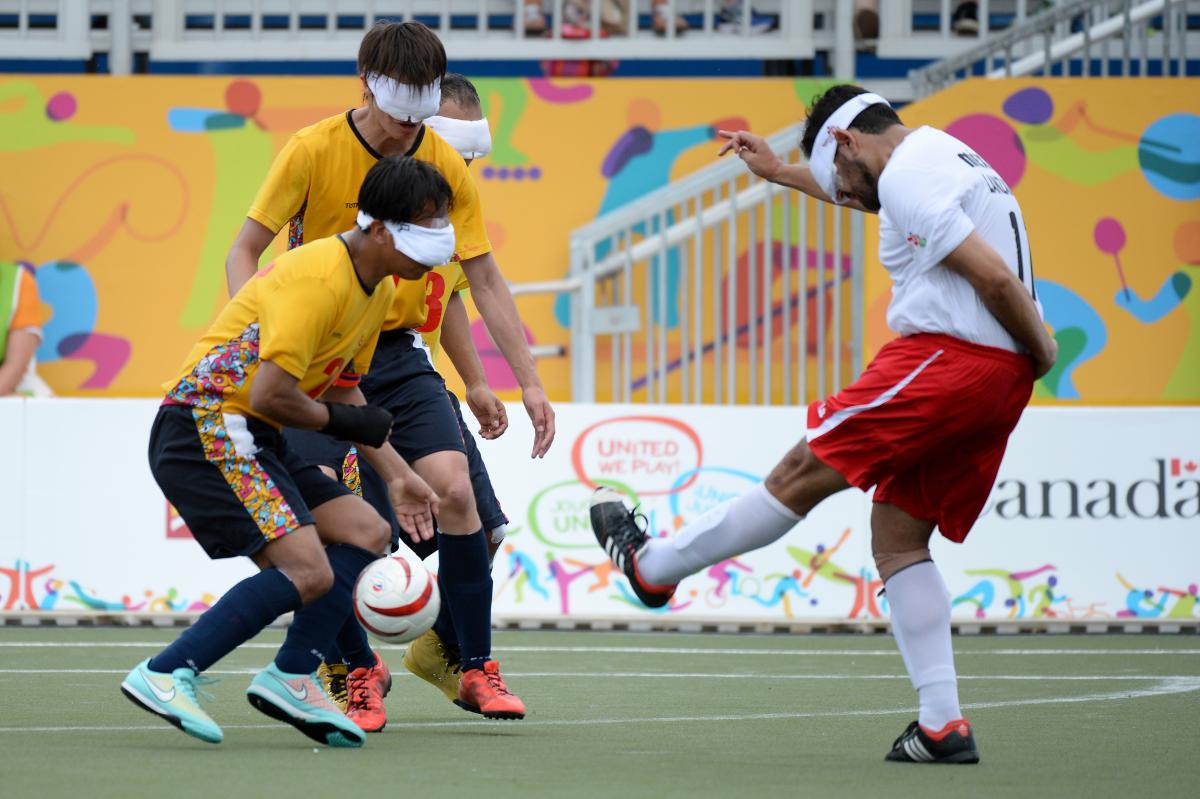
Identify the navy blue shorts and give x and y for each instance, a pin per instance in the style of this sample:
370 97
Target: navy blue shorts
403 380
427 419
233 479
353 470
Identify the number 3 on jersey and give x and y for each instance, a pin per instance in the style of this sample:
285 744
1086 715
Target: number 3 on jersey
435 292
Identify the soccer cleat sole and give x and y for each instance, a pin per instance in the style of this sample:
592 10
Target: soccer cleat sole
958 758
133 696
502 715
320 731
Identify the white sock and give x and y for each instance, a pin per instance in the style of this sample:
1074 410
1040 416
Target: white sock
748 522
920 606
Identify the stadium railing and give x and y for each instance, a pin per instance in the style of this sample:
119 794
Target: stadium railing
708 288
1082 38
315 30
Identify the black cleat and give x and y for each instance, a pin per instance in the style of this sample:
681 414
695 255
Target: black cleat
619 534
954 743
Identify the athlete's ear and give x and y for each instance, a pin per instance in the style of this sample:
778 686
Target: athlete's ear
847 139
380 234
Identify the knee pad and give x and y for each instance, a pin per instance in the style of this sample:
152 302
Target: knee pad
888 563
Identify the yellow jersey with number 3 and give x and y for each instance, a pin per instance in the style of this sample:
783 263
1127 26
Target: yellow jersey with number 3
307 312
312 187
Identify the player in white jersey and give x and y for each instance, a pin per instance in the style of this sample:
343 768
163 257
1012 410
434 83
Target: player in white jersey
926 423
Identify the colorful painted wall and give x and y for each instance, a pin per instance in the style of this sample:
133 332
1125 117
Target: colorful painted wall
1108 175
124 194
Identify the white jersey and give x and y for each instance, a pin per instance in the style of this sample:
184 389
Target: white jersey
933 192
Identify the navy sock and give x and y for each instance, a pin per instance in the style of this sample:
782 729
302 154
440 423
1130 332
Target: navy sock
237 617
465 578
316 625
444 624
333 654
352 641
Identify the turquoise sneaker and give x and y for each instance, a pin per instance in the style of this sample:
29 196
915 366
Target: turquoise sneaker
173 696
300 700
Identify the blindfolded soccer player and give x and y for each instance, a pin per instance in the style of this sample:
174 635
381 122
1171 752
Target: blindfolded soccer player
926 424
310 189
290 349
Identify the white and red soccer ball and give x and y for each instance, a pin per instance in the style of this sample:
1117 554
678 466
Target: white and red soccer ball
396 599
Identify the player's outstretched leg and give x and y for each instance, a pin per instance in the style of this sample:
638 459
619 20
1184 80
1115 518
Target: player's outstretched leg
954 743
619 533
173 696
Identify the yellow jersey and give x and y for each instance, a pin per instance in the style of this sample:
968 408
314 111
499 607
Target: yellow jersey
312 187
307 312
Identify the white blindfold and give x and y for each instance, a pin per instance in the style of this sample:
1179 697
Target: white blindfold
403 102
471 139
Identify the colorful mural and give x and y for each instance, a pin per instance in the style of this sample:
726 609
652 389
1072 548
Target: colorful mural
124 194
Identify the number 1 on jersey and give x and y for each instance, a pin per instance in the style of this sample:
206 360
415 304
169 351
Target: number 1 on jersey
1016 227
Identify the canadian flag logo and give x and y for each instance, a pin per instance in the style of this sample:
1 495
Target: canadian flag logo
176 526
1180 467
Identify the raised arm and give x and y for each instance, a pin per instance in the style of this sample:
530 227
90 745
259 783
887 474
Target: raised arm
762 161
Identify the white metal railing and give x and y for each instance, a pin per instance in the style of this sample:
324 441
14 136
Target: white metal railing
718 288
1082 38
297 30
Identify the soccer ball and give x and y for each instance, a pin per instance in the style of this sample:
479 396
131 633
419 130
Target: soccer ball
396 599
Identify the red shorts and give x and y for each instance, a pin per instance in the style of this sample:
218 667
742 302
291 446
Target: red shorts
926 424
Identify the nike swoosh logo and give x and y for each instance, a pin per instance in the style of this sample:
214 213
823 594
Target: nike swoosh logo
163 696
299 696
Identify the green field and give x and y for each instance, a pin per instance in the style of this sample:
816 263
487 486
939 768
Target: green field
628 715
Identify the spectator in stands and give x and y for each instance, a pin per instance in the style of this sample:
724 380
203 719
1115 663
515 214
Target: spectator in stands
20 332
614 20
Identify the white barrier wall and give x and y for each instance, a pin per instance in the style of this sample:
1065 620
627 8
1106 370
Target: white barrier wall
1096 515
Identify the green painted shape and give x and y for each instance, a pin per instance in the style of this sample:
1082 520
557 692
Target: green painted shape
28 128
513 96
1055 152
1185 380
1071 341
808 88
242 157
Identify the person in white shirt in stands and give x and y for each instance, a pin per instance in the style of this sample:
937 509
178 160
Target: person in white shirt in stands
927 422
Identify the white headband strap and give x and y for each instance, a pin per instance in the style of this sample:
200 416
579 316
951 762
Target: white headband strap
825 145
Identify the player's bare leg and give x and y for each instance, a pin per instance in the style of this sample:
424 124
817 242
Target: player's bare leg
920 611
755 519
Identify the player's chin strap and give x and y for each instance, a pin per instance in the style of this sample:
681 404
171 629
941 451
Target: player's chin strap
403 102
472 139
428 246
825 146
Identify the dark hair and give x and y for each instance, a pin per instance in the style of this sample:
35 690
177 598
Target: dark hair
403 189
873 119
407 52
459 88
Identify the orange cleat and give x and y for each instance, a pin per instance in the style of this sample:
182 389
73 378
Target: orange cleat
365 690
483 691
